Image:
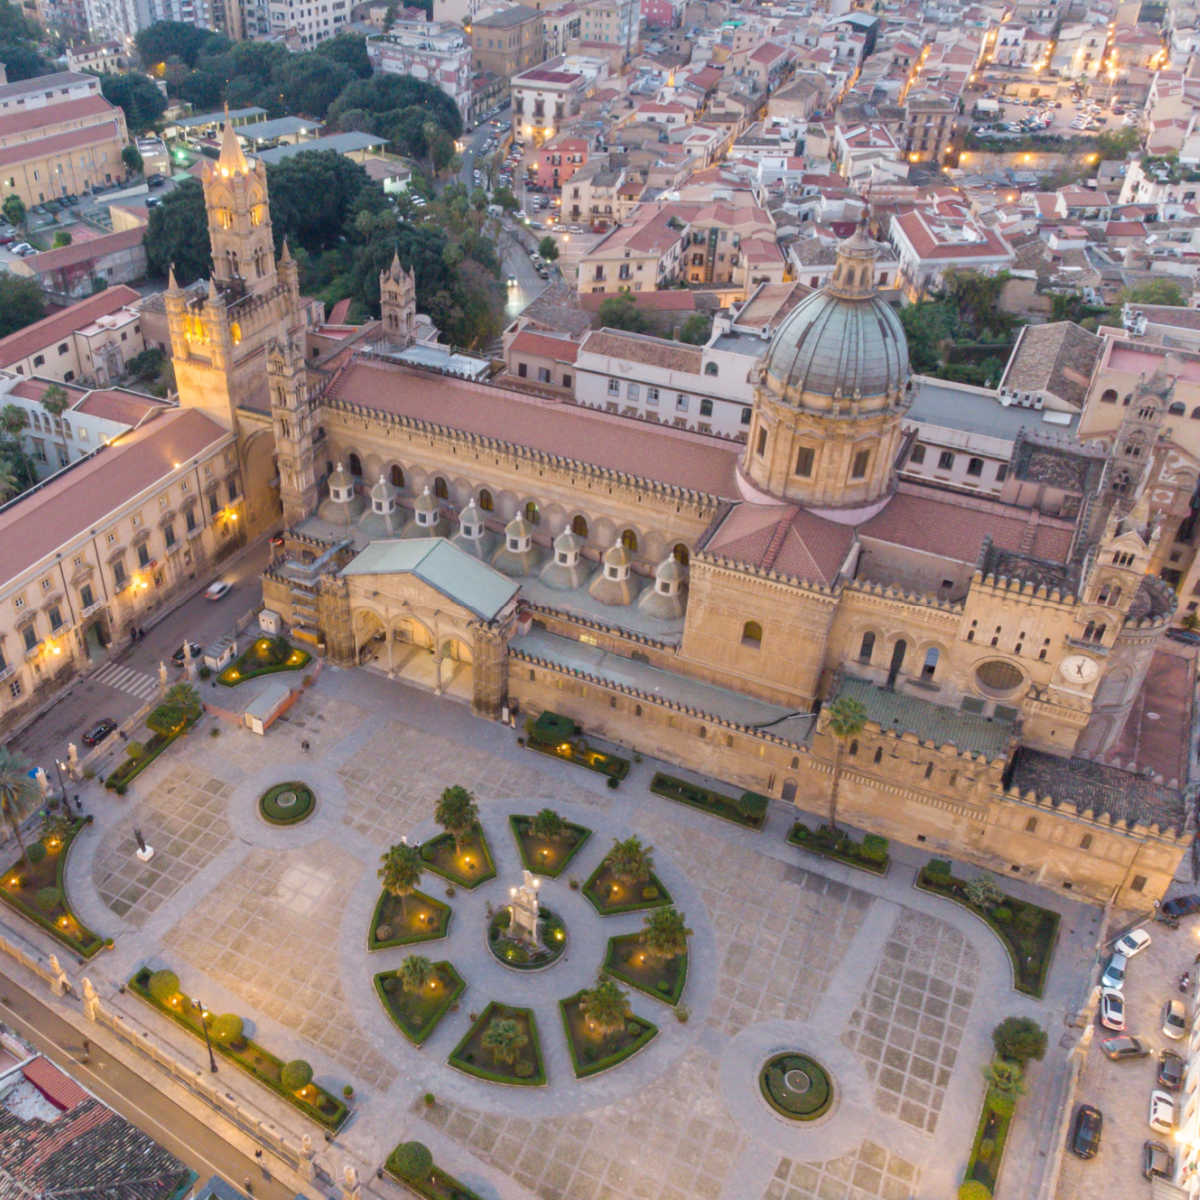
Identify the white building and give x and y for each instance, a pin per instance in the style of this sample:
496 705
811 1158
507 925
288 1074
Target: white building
309 22
929 245
438 54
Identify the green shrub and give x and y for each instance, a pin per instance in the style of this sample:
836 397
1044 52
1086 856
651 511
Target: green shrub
752 806
1002 914
938 869
348 1092
649 892
295 1075
48 898
411 1160
974 1190
523 1069
135 750
36 852
430 1101
427 852
226 1029
987 1148
163 985
874 848
612 782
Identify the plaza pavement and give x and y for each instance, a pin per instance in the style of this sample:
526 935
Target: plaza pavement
894 990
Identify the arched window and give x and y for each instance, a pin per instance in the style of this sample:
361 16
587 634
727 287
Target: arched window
866 648
629 541
930 664
898 652
1146 414
929 770
878 755
397 477
354 463
579 526
854 748
710 368
1196 414
1108 396
1128 398
532 514
486 503
1177 409
1121 483
680 554
440 490
752 634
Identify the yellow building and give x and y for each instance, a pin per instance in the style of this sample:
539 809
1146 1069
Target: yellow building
703 600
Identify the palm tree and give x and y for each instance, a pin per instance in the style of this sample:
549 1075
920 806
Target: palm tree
17 792
13 420
548 825
415 973
665 934
56 400
846 720
10 485
401 871
457 813
630 862
184 696
503 1037
1004 1076
606 1008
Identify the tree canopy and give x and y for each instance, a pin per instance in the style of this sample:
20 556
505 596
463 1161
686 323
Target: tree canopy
178 234
140 99
21 303
620 312
19 41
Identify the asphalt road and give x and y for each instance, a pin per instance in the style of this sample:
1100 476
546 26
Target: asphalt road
86 701
135 1097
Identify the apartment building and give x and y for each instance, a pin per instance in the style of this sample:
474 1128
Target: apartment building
437 53
558 159
507 42
58 136
544 98
927 246
306 24
928 130
102 57
610 22
640 257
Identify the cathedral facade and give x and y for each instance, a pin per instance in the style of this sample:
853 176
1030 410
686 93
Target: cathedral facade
701 600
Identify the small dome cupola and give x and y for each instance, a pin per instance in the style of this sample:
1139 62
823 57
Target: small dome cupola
665 600
617 561
341 485
473 535
343 503
426 509
567 547
517 555
613 583
669 576
566 570
470 521
383 498
518 535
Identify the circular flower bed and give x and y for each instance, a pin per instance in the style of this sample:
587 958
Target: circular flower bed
796 1086
287 803
522 954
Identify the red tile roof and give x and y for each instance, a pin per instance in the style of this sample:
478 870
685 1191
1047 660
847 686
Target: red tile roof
62 1091
54 328
656 452
116 404
38 524
541 344
59 143
82 252
12 125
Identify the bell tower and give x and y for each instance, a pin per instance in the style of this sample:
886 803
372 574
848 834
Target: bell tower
292 422
239 219
398 303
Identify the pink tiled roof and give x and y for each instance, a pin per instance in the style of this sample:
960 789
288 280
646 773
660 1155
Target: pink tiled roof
657 452
54 328
116 404
61 1090
15 124
560 349
62 509
82 252
58 143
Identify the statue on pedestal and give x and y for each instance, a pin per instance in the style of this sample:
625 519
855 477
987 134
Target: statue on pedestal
524 908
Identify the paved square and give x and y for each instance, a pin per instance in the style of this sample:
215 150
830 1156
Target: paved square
869 1172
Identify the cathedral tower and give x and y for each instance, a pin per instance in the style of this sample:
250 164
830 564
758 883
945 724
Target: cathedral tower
239 219
834 385
293 423
398 303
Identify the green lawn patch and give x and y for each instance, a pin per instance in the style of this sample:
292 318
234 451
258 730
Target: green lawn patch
473 1057
627 961
560 737
433 1184
165 730
416 1014
547 856
264 656
750 809
871 854
592 1053
468 867
287 803
38 891
420 919
608 895
796 1086
312 1099
987 1150
1028 931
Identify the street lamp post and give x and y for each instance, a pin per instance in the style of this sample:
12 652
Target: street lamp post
212 1062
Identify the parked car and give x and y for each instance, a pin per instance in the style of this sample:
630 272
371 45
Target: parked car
1157 1160
99 731
178 657
1134 942
1162 1112
1170 1071
1181 906
1174 1019
216 590
1086 1130
1112 1010
1121 1048
1113 975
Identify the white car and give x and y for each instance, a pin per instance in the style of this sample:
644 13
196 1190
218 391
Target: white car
1162 1112
1174 1019
1134 942
1114 973
1112 1010
215 591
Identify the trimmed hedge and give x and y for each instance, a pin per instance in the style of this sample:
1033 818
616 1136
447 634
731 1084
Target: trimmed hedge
871 854
433 1183
662 980
749 810
439 855
805 1106
260 1064
595 890
559 737
1030 936
528 842
259 659
470 1057
45 877
615 1049
275 814
387 910
121 776
991 1134
452 986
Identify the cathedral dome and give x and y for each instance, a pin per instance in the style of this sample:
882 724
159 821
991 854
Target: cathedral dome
843 341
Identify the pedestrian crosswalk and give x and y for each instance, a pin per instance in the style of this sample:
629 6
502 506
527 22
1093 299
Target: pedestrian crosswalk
126 679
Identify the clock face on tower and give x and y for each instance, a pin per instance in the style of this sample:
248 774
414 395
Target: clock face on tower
1079 669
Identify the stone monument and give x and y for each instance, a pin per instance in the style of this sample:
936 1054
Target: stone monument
524 909
162 674
144 852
